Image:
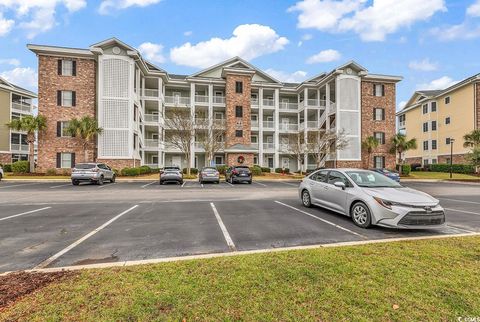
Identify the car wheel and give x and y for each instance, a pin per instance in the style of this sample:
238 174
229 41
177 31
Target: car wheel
113 179
75 182
250 182
100 181
1 177
181 182
361 215
218 182
306 200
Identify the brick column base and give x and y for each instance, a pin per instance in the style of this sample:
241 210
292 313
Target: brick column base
5 158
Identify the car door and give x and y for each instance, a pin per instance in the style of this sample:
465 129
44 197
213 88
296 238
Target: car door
336 197
317 183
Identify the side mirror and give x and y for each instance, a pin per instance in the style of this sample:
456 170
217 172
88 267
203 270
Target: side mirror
339 184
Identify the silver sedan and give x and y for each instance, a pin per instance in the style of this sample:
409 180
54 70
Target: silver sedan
370 198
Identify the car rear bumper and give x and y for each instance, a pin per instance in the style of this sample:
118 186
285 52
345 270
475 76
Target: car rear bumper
210 179
85 177
171 179
241 178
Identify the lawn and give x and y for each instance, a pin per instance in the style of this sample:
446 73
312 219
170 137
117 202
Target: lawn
429 280
440 175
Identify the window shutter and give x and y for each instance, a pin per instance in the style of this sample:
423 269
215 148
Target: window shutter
59 67
383 114
74 68
374 114
74 98
383 90
73 160
374 90
59 98
59 160
59 129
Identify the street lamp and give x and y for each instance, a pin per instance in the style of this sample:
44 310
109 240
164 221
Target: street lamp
451 156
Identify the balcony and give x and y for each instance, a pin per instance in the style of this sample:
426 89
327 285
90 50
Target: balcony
254 124
268 125
254 102
150 93
151 143
268 146
301 126
219 123
289 127
20 147
332 108
201 99
199 146
313 102
21 107
268 102
151 118
287 106
219 100
285 147
313 124
201 122
177 100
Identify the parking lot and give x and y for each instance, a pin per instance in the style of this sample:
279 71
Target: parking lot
55 224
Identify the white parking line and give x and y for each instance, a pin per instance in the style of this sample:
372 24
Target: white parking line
104 185
201 185
25 213
183 184
262 184
460 229
62 185
288 183
229 240
146 185
48 261
463 211
465 201
20 185
229 183
321 219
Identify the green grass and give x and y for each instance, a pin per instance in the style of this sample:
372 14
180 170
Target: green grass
440 175
429 280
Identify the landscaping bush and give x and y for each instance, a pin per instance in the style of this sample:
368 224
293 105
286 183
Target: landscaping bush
130 172
256 170
20 167
406 169
415 166
282 170
222 168
456 168
145 169
51 172
192 171
265 169
7 168
116 171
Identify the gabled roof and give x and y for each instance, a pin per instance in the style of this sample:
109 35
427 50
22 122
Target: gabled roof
111 41
12 87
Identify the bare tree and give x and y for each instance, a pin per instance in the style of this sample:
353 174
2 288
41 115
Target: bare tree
296 147
320 143
181 127
211 138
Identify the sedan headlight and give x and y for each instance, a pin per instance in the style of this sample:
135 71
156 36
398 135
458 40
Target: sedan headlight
385 203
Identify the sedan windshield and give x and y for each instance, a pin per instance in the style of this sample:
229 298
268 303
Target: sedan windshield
370 179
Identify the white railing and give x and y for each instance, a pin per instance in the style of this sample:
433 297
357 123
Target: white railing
147 92
219 122
254 101
177 100
323 118
151 143
312 124
284 147
268 124
219 100
312 102
254 124
333 108
301 126
152 165
199 145
268 146
201 122
254 145
288 106
151 118
22 107
268 102
20 147
201 99
288 127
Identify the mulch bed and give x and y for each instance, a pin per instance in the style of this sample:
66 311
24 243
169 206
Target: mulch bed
15 285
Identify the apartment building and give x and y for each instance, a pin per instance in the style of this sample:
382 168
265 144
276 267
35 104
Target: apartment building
435 117
132 99
15 102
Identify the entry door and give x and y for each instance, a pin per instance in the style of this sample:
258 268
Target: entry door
286 163
270 162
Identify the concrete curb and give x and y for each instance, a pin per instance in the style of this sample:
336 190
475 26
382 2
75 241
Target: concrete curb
236 253
130 180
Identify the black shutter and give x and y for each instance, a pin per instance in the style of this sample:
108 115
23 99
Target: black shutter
74 98
59 67
59 98
59 160
374 90
374 114
59 129
383 90
74 68
73 160
383 114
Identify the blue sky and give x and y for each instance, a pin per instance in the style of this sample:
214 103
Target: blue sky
431 43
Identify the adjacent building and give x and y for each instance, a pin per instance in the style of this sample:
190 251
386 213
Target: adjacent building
435 117
15 102
132 100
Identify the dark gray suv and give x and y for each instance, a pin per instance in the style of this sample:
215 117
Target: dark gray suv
92 172
239 173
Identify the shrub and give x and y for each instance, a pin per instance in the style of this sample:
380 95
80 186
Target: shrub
282 170
456 168
7 168
256 170
144 169
406 169
415 166
66 172
116 171
221 169
265 169
192 171
130 172
51 172
20 167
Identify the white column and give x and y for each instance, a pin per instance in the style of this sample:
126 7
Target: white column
260 127
276 136
192 115
305 120
210 117
327 104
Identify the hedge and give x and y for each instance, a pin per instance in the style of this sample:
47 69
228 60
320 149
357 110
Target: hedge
221 169
130 172
406 169
456 168
7 168
21 167
282 170
256 170
144 169
265 169
192 171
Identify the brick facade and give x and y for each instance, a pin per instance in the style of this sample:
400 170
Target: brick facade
5 158
49 82
417 160
119 164
457 159
477 103
232 159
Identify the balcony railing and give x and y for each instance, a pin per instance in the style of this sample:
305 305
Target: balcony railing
20 147
151 143
301 126
268 124
201 122
219 122
177 100
199 145
288 127
284 147
287 106
254 101
254 124
219 100
201 99
22 107
268 146
151 118
268 102
147 92
313 124
333 108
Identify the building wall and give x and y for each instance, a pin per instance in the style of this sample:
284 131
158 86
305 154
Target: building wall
477 103
232 159
48 84
119 164
5 158
4 119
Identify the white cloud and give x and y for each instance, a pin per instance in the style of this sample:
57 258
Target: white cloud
295 77
464 30
304 38
107 6
153 52
35 16
188 33
424 65
22 76
372 22
439 83
324 56
248 41
474 9
10 61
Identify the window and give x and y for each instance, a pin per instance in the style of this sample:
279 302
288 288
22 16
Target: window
379 114
135 139
65 160
238 87
67 67
238 111
447 160
218 160
320 176
378 90
433 106
425 108
380 136
255 160
434 144
335 176
254 139
447 100
447 141
425 127
19 157
61 126
66 98
425 162
434 161
447 120
238 133
379 162
425 145
434 125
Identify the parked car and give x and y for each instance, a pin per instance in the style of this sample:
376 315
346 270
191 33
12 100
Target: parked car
390 174
209 174
92 172
370 198
171 174
239 173
1 173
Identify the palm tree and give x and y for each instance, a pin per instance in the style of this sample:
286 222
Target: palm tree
369 145
30 124
472 139
400 144
85 129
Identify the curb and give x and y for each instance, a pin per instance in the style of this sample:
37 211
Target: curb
237 253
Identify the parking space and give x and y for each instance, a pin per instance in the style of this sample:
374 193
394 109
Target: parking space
57 224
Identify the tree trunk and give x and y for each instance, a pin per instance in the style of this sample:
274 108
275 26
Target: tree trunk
85 153
400 168
31 155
